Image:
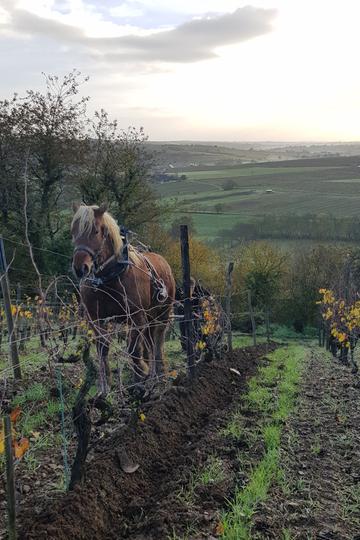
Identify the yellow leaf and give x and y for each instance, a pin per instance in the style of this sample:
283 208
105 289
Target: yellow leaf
21 447
14 415
79 383
173 373
219 529
142 417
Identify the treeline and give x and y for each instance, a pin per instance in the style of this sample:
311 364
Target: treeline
296 227
52 152
284 283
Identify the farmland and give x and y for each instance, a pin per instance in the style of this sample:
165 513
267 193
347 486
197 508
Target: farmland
329 185
259 461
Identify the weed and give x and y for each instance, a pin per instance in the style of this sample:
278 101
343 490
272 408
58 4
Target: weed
35 392
213 473
235 427
33 422
32 463
316 447
53 408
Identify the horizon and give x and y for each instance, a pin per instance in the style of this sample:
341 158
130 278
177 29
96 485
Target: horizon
298 142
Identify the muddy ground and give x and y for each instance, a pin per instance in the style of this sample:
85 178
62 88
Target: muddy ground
319 496
179 433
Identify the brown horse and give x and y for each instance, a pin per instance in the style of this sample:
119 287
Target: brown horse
124 285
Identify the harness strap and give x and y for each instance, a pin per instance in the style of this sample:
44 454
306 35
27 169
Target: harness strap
112 267
87 250
160 287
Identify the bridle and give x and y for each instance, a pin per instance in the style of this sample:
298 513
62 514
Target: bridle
112 267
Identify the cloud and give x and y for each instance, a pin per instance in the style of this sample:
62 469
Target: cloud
125 10
191 41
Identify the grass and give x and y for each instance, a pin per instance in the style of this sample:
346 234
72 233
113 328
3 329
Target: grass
31 358
35 392
326 186
283 371
211 473
235 427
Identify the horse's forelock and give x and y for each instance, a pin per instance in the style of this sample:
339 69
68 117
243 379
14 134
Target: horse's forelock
85 218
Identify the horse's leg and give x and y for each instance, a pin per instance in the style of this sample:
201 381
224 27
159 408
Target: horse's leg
102 347
135 351
159 332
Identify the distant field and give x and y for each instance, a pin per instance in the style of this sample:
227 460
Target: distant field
320 186
245 171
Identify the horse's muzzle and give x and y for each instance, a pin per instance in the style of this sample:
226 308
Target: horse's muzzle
82 272
81 269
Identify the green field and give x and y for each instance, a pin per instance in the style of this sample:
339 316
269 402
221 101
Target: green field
312 186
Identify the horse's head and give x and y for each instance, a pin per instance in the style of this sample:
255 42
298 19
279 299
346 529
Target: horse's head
90 235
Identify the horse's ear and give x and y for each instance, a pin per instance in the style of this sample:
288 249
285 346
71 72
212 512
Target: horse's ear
98 212
75 207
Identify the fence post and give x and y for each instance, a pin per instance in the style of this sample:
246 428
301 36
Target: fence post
7 307
229 270
267 322
10 479
188 323
252 318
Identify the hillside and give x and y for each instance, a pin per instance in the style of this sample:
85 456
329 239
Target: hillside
246 192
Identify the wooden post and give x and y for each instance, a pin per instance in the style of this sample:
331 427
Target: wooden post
252 318
7 306
267 323
188 323
229 270
10 479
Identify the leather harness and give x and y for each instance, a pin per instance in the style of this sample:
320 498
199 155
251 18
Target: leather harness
110 269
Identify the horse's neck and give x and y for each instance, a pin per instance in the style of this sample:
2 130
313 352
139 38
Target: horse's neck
107 251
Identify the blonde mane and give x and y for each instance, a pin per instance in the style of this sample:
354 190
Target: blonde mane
86 218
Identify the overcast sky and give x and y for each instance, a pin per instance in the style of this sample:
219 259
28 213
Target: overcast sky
197 69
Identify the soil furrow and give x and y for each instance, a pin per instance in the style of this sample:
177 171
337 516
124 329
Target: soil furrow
175 438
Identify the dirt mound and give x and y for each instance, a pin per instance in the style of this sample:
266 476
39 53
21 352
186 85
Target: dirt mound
112 504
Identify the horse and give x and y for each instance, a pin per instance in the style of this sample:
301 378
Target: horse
124 285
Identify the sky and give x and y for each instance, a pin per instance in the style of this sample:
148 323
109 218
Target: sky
265 70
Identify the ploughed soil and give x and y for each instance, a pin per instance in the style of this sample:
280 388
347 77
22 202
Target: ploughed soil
177 436
319 496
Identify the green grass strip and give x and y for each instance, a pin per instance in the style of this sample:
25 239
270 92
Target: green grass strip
283 372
